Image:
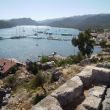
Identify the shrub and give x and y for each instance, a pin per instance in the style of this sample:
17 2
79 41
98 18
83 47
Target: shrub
11 81
32 67
70 60
103 43
44 59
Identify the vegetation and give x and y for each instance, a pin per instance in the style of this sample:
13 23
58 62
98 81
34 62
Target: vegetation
10 81
32 67
103 43
73 59
44 59
85 43
39 80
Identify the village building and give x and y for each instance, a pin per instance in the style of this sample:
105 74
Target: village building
8 66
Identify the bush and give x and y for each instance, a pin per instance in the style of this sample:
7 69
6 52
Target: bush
103 43
44 59
11 81
32 67
73 59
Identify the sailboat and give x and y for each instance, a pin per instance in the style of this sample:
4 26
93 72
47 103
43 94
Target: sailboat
36 34
18 34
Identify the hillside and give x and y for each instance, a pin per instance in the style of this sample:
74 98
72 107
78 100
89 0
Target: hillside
22 21
79 22
4 24
82 22
17 22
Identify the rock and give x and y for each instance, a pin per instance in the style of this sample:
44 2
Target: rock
49 103
97 91
108 93
86 76
51 63
91 103
56 75
69 91
101 75
85 62
106 102
104 65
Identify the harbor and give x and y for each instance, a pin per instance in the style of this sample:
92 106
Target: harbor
28 46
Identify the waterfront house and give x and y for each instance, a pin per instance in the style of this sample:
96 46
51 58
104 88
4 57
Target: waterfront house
7 66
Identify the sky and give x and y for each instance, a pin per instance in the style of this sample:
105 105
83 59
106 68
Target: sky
48 9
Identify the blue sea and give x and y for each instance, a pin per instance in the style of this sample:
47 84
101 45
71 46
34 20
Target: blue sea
37 45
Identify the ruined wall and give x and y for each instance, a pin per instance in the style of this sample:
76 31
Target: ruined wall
95 80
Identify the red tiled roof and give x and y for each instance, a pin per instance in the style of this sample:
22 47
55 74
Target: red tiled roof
8 64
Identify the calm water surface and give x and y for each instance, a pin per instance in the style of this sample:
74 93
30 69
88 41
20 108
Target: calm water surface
29 48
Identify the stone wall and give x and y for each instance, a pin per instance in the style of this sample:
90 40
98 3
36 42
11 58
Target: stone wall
74 88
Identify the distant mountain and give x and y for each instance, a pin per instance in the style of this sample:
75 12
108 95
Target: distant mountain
22 21
49 21
82 22
17 22
79 22
4 24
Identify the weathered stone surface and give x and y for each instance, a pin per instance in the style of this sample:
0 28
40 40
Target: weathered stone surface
86 76
97 91
101 75
108 93
104 65
56 75
91 103
69 91
106 102
86 61
49 103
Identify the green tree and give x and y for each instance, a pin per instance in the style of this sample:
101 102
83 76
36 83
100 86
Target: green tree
103 43
85 43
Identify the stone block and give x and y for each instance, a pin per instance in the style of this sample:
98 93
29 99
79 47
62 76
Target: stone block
86 76
91 103
48 103
97 91
69 91
101 75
